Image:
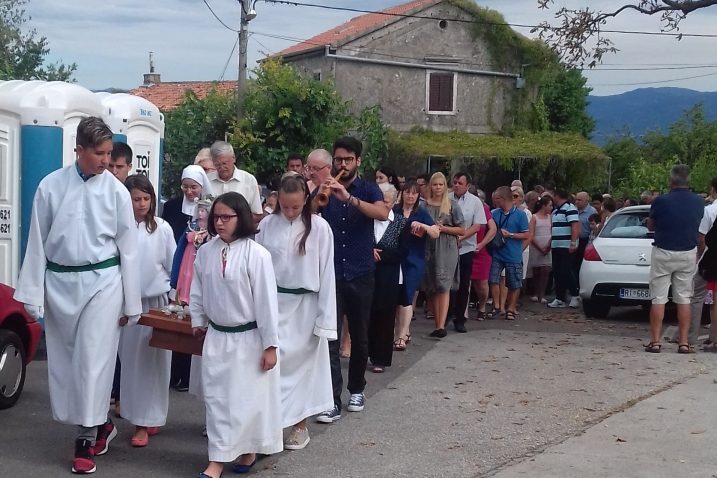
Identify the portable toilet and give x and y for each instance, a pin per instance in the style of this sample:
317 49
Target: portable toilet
139 123
38 127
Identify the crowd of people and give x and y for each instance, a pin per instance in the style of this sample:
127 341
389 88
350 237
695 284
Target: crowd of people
281 287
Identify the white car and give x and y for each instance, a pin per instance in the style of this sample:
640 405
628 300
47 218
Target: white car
616 266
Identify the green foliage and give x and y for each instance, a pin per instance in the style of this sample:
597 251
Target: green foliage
193 125
566 158
286 112
22 53
639 166
375 138
564 94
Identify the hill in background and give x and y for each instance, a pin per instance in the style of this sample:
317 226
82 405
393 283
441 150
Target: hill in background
639 111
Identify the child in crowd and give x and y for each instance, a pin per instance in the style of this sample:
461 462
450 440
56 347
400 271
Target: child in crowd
233 302
270 203
595 225
302 250
144 385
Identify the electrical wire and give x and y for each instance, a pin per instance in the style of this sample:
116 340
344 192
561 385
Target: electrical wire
219 19
231 55
658 81
463 20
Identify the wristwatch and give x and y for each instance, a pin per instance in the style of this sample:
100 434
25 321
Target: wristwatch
511 234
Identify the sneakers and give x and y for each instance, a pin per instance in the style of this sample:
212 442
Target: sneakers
356 402
105 434
534 298
297 439
575 302
329 416
83 464
557 304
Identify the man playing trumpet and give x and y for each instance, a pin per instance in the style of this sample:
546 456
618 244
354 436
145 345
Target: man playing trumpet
353 204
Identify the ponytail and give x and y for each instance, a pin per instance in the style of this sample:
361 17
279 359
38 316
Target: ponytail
292 183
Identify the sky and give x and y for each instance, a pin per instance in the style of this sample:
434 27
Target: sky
111 43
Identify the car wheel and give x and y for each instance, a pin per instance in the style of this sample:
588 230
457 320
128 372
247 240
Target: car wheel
595 309
12 368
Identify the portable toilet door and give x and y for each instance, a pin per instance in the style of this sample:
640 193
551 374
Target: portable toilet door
140 124
9 196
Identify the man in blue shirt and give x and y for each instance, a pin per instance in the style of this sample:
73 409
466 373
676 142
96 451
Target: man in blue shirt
353 205
585 210
675 217
513 226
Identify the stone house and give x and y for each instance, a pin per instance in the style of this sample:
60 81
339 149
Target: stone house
421 61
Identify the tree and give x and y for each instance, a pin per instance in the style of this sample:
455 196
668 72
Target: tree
564 99
23 53
577 34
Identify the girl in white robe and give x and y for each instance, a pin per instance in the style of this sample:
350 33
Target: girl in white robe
144 382
233 301
302 250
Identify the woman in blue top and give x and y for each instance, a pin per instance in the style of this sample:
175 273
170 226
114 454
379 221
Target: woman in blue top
413 265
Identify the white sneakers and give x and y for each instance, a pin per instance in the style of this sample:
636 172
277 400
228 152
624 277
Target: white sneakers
559 304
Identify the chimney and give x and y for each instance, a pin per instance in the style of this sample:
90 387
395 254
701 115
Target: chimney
151 78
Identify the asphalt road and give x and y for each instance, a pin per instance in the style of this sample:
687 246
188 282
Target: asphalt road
469 405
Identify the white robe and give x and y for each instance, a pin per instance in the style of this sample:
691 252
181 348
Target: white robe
242 401
306 321
144 383
76 222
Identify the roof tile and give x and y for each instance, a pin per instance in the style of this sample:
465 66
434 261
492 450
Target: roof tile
356 26
167 96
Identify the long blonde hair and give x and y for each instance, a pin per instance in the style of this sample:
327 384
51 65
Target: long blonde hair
445 202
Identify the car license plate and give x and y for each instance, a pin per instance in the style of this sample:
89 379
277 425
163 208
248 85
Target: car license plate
635 294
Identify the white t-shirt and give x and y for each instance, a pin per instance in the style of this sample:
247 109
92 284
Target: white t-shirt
708 218
473 213
241 182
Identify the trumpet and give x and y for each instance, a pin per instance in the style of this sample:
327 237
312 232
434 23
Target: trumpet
322 197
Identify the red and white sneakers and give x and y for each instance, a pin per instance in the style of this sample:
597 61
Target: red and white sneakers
105 434
84 463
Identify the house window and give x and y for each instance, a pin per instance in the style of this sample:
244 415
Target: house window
441 92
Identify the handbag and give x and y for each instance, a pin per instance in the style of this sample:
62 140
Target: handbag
498 240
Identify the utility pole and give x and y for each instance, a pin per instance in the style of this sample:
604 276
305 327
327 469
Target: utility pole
247 14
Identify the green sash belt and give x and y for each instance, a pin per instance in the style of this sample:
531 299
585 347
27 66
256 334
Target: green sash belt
111 262
283 290
234 330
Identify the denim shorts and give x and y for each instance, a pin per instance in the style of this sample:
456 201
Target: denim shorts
513 273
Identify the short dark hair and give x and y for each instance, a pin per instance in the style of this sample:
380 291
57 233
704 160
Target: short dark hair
293 156
594 218
245 221
121 150
462 174
92 132
596 197
562 194
349 143
426 177
609 204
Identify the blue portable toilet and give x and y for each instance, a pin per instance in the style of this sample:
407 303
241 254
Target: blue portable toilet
38 126
139 123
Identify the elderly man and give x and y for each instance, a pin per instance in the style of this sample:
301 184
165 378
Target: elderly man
318 165
474 215
228 177
81 272
675 217
585 210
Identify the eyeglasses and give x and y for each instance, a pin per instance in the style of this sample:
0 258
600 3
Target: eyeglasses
347 160
313 169
224 217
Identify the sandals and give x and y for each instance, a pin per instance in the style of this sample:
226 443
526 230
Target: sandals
481 315
493 314
399 345
653 347
685 349
510 315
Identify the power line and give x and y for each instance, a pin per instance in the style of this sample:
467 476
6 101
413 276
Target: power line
231 55
462 20
219 19
657 82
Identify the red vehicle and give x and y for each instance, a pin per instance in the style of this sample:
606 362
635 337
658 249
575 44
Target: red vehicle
19 338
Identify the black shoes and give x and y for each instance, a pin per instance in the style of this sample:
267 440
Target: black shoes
438 333
459 326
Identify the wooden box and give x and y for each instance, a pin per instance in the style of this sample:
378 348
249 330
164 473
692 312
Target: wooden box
171 333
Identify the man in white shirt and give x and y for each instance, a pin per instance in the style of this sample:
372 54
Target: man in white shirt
700 285
228 177
474 216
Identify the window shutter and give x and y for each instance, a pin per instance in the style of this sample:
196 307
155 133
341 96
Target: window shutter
440 92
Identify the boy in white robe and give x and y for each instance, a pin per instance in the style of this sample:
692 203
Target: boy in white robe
145 370
234 293
81 272
302 250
